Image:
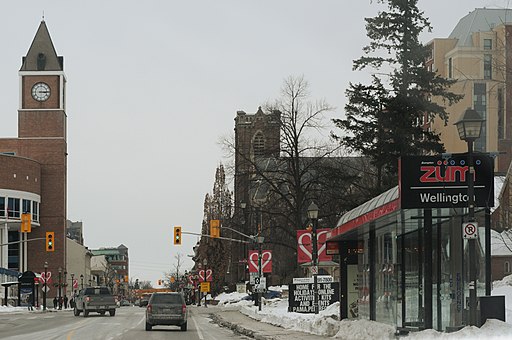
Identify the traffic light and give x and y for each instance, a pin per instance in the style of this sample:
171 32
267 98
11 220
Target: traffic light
214 228
50 239
26 225
177 235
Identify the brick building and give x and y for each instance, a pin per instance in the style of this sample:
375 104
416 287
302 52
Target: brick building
33 166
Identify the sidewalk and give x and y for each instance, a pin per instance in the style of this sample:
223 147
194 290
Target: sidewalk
240 323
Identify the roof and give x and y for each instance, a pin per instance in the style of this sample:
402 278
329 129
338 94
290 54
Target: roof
386 203
479 20
41 55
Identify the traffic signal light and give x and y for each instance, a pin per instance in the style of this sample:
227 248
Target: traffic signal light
26 225
177 235
50 239
214 228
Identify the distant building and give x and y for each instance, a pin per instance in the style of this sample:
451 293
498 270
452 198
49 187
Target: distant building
118 262
501 254
477 54
74 231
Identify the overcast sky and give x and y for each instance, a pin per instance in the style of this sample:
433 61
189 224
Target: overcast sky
153 85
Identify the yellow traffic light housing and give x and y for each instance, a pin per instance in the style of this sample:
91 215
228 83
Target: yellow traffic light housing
214 228
177 235
26 223
50 239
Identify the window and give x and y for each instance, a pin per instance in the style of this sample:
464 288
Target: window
487 44
26 206
487 66
2 206
35 211
480 105
501 113
259 144
450 65
506 268
13 207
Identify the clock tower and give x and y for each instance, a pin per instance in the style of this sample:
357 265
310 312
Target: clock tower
42 137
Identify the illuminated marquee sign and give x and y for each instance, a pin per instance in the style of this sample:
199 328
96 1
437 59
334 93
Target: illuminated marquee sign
437 182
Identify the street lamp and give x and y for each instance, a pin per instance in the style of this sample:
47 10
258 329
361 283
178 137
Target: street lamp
469 128
313 216
60 286
72 284
82 281
205 263
45 284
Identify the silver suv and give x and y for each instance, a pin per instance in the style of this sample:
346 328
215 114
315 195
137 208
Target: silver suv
166 309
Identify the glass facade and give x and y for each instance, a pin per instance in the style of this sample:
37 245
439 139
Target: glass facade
12 208
413 268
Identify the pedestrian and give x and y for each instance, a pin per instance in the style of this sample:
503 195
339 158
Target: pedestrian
61 302
65 302
72 303
55 303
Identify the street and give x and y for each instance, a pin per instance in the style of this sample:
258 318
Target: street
128 323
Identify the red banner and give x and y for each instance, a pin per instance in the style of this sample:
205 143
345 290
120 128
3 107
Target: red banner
305 246
266 261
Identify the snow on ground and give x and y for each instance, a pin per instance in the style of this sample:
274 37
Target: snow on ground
275 312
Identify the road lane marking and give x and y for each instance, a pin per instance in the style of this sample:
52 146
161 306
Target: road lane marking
199 333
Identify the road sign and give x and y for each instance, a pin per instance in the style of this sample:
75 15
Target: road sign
314 269
262 284
470 230
45 289
205 287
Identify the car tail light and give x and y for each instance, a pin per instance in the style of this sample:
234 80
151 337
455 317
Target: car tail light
149 308
87 299
183 309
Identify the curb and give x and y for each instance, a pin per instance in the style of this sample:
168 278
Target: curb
238 328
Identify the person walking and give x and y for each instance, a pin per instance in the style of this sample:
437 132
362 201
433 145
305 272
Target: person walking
61 302
55 303
65 302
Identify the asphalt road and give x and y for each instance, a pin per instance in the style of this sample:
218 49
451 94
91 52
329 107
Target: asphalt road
128 323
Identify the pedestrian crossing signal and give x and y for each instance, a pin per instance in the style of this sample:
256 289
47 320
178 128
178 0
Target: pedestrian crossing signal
50 238
177 235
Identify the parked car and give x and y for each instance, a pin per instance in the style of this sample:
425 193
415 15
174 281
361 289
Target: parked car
166 309
269 294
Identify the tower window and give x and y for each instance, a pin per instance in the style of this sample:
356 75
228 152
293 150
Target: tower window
258 144
487 66
450 66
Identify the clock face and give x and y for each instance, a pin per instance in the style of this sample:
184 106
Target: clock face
41 92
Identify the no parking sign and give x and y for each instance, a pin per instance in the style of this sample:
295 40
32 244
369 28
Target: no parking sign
470 230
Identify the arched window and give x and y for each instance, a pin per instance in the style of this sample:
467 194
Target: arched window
507 267
258 144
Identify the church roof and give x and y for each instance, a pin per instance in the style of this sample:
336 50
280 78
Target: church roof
41 55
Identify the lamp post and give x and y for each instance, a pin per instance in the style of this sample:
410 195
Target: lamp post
45 287
82 281
60 286
65 283
246 226
205 263
469 128
313 216
72 284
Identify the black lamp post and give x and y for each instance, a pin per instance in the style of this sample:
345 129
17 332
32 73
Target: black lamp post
470 127
82 281
45 287
72 284
60 286
313 216
64 283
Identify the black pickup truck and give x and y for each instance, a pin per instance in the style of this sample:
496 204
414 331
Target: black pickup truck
95 299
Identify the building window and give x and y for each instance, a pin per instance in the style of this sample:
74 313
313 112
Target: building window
26 206
13 207
501 113
487 44
506 268
487 66
258 144
35 211
2 206
480 105
450 65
